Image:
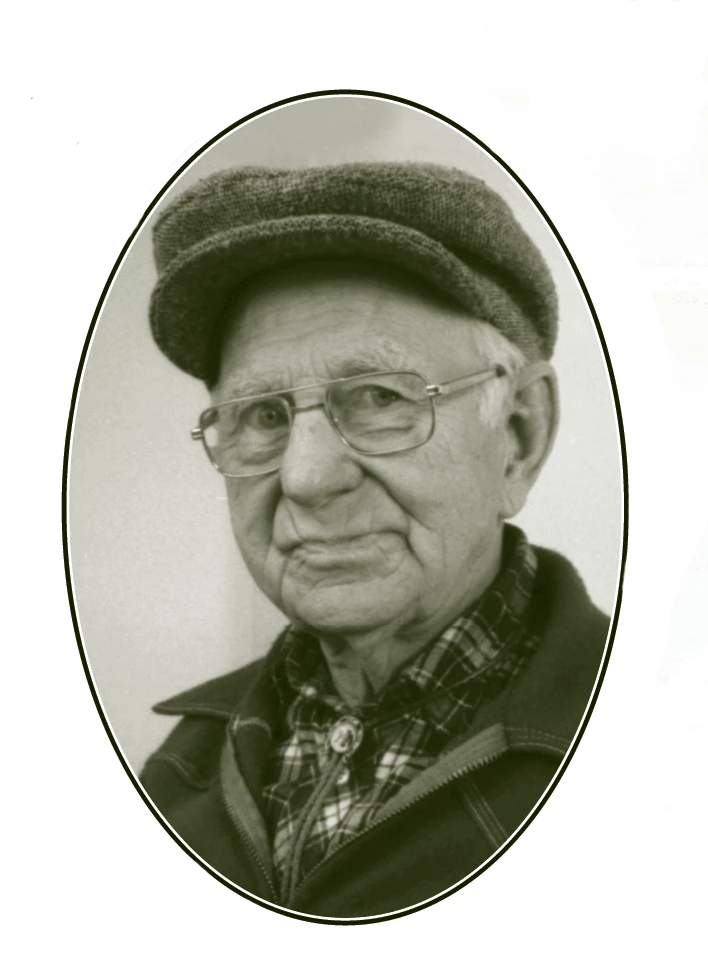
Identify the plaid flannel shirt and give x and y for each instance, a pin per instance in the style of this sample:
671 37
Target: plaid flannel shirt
332 768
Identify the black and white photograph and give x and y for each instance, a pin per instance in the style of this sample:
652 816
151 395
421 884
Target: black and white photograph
355 590
390 553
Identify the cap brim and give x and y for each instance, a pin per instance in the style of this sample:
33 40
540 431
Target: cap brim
193 294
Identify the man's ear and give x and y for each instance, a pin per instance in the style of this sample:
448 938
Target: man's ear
531 423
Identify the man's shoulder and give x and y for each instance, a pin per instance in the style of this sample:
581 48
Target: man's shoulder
217 698
560 598
552 694
193 748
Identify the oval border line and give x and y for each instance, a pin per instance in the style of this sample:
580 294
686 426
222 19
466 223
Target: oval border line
625 509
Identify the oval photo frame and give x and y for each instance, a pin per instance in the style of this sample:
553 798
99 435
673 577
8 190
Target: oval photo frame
160 599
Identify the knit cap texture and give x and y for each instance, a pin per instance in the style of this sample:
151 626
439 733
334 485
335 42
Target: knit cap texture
437 222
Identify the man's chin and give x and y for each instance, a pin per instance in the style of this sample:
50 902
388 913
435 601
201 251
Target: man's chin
345 607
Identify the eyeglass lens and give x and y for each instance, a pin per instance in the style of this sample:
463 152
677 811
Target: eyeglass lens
376 414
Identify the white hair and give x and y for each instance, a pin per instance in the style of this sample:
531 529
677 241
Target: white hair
495 349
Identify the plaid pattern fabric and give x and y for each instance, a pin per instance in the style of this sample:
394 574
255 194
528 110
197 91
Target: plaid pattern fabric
315 797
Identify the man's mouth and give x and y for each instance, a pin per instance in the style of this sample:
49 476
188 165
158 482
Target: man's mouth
329 552
322 541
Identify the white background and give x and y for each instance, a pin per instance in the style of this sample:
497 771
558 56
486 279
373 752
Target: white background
601 110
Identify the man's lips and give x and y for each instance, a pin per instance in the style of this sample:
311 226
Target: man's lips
336 542
349 553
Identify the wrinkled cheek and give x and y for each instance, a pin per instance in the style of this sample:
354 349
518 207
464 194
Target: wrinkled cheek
270 576
252 524
266 566
252 507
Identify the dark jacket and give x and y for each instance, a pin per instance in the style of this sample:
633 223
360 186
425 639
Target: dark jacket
206 778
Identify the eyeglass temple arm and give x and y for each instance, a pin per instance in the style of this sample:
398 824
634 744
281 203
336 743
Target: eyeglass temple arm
467 381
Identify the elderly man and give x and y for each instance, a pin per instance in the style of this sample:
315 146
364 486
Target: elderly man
374 338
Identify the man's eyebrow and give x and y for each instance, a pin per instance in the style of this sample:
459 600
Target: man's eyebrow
379 356
250 382
374 356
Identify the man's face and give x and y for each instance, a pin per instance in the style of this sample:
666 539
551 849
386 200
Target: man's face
341 542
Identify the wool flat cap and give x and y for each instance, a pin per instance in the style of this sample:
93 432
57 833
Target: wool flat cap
439 223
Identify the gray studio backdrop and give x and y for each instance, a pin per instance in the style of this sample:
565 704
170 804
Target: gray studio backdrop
162 596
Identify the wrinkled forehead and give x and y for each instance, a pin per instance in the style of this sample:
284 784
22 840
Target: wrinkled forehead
341 317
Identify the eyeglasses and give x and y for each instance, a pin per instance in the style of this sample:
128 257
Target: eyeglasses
380 413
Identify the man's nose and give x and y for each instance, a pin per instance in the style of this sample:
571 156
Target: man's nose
317 464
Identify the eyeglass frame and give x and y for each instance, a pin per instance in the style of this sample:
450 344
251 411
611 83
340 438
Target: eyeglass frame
432 391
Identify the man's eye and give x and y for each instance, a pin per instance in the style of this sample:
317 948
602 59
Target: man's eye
382 397
266 416
377 397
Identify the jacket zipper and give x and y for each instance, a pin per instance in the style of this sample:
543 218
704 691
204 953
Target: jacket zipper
245 837
316 799
455 776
